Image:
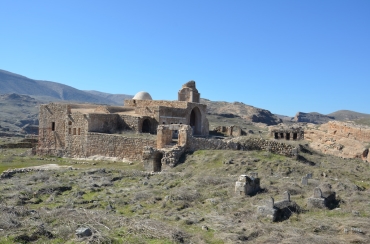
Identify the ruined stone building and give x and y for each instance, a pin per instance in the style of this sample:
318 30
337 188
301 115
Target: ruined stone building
291 133
156 132
83 130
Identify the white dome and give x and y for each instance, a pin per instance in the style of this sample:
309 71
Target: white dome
142 96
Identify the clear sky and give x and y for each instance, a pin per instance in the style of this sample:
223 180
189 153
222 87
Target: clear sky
284 56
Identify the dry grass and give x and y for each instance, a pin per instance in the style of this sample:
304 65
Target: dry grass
123 204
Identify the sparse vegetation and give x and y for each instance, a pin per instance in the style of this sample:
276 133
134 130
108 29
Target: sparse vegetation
192 203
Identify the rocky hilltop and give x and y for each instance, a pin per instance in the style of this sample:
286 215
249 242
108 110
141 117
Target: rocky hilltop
247 112
315 118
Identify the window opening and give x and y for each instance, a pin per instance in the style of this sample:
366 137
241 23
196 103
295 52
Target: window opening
295 136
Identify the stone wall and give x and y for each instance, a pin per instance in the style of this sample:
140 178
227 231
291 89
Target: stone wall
116 146
103 123
52 128
267 145
129 122
155 103
240 143
196 143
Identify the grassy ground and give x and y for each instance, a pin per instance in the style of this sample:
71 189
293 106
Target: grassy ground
123 204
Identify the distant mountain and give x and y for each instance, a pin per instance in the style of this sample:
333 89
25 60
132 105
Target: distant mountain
340 115
345 115
48 90
116 99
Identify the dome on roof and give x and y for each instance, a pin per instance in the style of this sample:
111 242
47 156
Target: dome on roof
142 96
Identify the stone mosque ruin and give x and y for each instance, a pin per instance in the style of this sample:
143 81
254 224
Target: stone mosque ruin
84 130
156 132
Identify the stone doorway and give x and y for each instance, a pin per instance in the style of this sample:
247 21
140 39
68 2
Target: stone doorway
196 121
146 127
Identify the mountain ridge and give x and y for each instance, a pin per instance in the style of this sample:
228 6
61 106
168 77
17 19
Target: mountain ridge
48 90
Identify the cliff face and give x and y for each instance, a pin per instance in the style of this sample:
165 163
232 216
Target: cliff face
340 139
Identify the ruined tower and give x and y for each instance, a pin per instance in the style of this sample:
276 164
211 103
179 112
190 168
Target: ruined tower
189 93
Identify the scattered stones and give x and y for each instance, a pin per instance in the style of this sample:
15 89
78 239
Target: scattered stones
357 231
304 181
83 232
11 172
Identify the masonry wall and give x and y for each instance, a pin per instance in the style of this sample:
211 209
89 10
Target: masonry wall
103 123
247 144
195 143
129 122
155 103
271 146
75 133
111 145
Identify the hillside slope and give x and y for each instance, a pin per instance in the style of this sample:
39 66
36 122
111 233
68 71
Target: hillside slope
17 112
247 112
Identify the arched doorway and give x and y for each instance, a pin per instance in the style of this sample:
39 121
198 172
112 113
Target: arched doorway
146 127
196 121
157 162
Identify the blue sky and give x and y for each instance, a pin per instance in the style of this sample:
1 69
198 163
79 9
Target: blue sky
284 56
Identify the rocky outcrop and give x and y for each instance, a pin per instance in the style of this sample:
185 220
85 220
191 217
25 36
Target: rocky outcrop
341 139
314 118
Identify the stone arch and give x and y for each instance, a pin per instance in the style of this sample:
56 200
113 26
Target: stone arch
157 162
146 126
196 121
